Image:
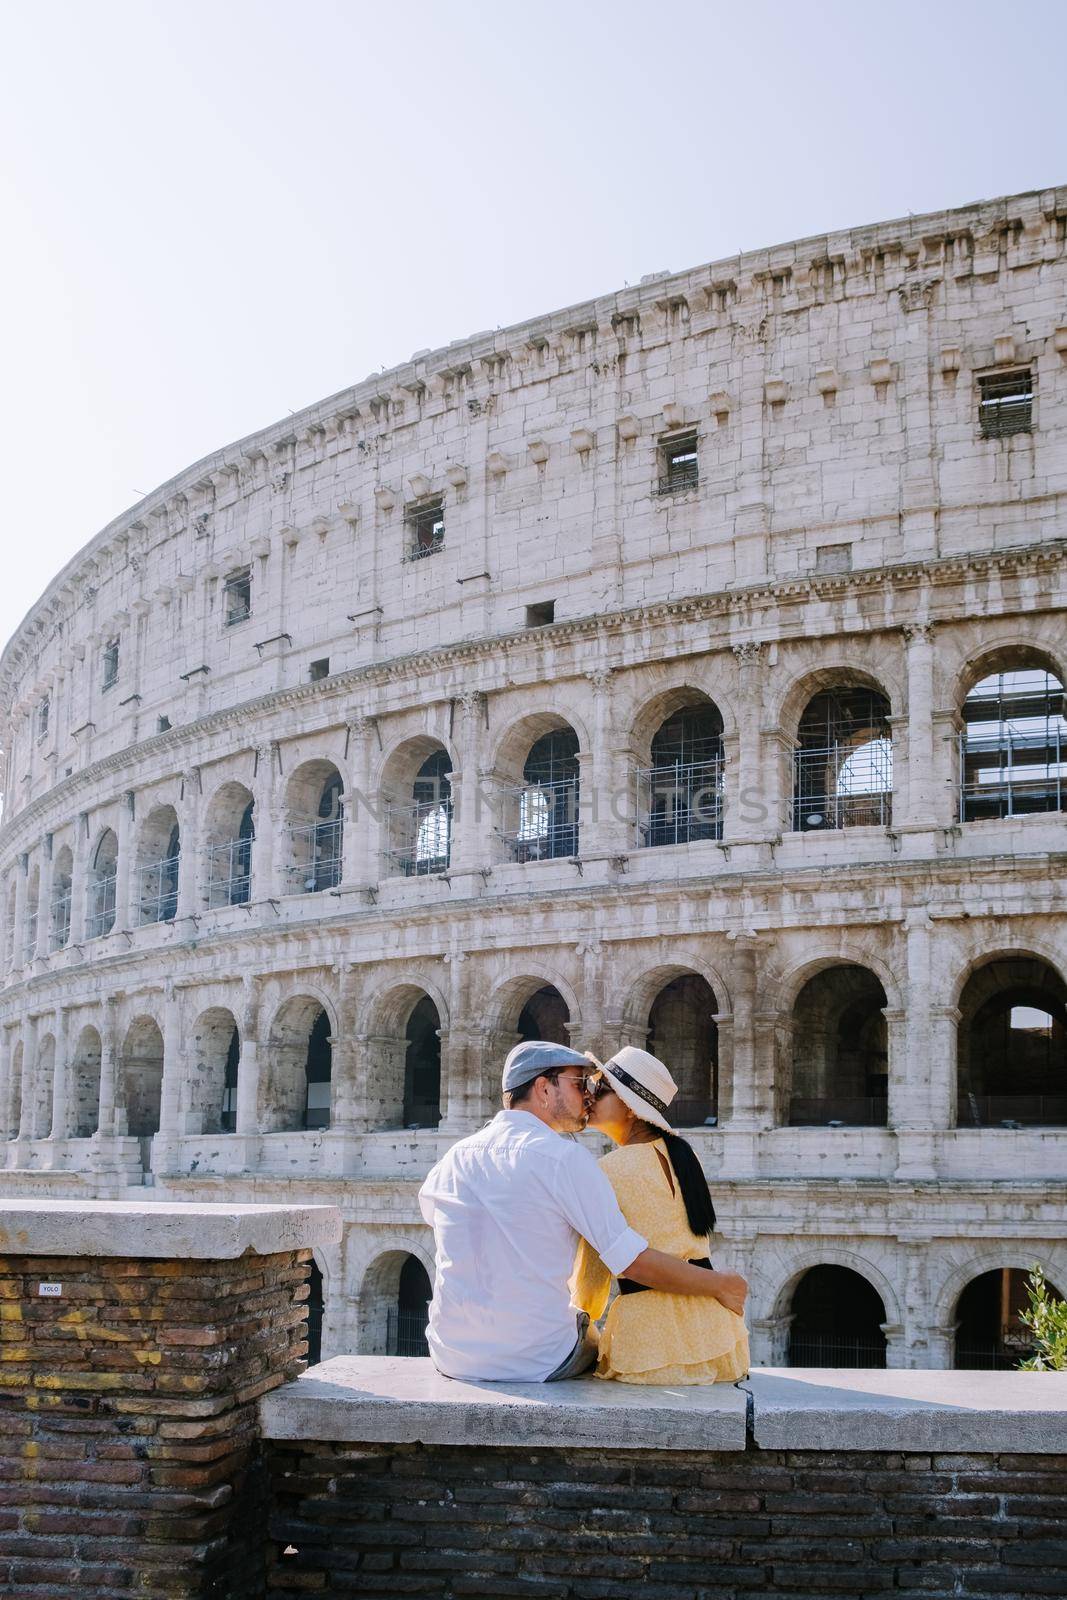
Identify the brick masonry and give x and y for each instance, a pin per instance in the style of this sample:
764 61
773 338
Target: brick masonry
128 1430
385 1520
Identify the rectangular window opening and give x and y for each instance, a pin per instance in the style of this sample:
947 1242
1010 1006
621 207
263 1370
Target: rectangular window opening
163 725
319 669
679 466
540 615
1005 403
425 529
111 663
43 710
237 597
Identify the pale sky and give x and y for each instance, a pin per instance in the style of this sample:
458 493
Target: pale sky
215 213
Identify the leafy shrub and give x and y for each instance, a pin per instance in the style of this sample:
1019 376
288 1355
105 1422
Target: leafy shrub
1047 1321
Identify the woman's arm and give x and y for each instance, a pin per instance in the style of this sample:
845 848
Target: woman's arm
656 1270
590 1282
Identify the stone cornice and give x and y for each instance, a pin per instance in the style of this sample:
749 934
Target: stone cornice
906 256
523 653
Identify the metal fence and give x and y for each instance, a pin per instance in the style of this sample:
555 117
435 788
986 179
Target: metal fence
158 890
100 918
547 820
843 786
406 1333
420 838
850 1111
816 1349
1013 1110
316 851
60 920
230 873
1012 775
680 803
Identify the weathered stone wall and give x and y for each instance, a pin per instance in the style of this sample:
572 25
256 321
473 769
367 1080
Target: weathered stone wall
850 521
383 1520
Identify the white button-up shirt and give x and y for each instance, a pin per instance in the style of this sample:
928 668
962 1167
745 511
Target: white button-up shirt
507 1205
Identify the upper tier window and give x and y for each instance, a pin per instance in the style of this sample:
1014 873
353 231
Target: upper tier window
679 467
111 663
1005 403
237 596
426 529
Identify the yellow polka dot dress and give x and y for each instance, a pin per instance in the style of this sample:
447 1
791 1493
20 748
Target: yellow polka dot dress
653 1337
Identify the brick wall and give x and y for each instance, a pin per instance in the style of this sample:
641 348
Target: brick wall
128 1431
386 1520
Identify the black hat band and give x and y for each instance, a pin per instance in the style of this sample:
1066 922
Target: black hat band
627 1082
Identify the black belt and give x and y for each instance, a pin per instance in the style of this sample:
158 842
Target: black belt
631 1286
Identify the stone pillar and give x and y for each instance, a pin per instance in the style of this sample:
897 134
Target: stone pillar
125 870
18 944
79 875
7 1125
364 828
106 1118
748 810
164 1153
605 793
61 1077
948 726
29 1078
912 1064
264 850
343 1054
471 824
189 866
248 1070
746 1095
461 1097
158 1487
915 794
44 902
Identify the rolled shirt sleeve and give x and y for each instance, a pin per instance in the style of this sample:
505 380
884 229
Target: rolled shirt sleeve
587 1200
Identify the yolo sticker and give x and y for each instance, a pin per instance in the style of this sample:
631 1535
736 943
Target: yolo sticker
50 1290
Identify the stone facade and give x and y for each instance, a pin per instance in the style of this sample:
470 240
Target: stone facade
328 774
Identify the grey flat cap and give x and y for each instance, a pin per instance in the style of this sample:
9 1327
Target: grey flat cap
527 1061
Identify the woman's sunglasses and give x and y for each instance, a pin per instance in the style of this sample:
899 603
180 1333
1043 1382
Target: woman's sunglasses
597 1086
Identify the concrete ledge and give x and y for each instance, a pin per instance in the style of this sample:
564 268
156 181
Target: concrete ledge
161 1230
800 1408
386 1400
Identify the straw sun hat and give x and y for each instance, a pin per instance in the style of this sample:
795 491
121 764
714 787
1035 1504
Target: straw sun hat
641 1082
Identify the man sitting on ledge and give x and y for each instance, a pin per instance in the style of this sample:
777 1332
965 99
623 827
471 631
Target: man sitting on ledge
507 1206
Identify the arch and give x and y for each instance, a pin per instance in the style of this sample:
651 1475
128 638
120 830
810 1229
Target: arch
59 910
213 1059
402 1025
806 684
141 1076
638 990
101 885
415 788
379 1297
839 1063
314 815
989 1334
1011 1044
843 758
680 779
683 1033
515 741
85 1084
994 1256
831 1254
229 834
1014 653
540 813
158 865
653 710
44 1074
511 995
296 1088
837 1319
1013 745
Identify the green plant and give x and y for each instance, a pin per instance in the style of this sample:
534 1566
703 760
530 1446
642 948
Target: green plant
1047 1321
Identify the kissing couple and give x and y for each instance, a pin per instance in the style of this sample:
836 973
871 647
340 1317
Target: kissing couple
529 1230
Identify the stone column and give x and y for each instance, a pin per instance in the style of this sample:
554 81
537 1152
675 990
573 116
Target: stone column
29 1079
471 825
44 902
364 827
748 810
61 1077
79 874
18 944
912 1064
747 1115
605 801
106 1118
459 1053
170 1120
249 1068
343 1054
916 792
189 866
125 869
264 850
7 1125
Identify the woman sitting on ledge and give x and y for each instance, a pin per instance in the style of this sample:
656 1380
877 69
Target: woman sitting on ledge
649 1336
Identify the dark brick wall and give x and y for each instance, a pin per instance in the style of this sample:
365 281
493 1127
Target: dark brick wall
129 1461
379 1520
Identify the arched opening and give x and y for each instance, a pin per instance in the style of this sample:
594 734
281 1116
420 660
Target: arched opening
159 860
990 1334
103 876
1013 747
1012 1046
215 1056
29 924
545 1015
229 835
141 1081
543 821
296 1087
422 1066
837 1320
393 1301
59 918
843 763
315 1310
407 1330
840 1051
85 1085
315 815
44 1073
683 1033
680 793
420 820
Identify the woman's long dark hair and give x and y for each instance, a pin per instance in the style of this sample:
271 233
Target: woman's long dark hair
699 1209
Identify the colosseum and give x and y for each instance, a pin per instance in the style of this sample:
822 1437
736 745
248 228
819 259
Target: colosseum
684 667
